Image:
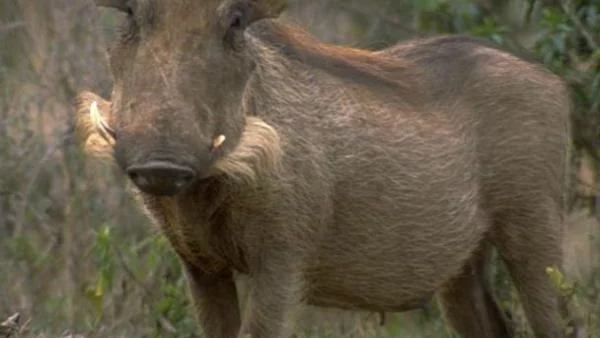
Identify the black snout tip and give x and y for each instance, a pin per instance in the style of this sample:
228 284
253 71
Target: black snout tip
161 178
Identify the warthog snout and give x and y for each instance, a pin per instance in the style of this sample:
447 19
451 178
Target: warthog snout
161 178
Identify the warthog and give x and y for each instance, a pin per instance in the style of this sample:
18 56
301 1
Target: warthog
334 176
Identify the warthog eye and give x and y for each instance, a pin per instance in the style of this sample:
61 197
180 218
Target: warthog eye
129 6
239 17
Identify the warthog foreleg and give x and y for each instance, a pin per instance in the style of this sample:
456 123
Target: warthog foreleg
275 292
216 303
469 304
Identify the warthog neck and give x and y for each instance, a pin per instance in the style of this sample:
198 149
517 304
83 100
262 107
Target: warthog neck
197 227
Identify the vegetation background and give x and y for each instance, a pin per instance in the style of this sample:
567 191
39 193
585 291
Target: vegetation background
77 256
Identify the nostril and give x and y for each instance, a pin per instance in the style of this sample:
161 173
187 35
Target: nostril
138 179
181 183
133 175
187 177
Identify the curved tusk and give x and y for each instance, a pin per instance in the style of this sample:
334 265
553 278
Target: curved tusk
99 121
218 142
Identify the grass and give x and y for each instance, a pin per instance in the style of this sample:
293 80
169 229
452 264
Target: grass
76 254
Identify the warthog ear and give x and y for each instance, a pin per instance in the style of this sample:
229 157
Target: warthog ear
239 14
92 125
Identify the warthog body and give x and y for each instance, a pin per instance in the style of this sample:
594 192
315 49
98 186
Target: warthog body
345 178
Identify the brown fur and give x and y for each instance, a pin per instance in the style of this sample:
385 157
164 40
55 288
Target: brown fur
369 180
363 67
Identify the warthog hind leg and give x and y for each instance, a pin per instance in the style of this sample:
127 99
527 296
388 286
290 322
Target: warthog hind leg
529 240
469 305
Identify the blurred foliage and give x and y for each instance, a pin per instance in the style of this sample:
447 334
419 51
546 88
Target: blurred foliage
76 255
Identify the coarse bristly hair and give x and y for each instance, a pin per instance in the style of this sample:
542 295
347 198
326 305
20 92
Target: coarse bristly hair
258 151
372 70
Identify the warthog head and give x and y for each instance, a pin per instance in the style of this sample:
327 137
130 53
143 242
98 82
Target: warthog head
180 70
